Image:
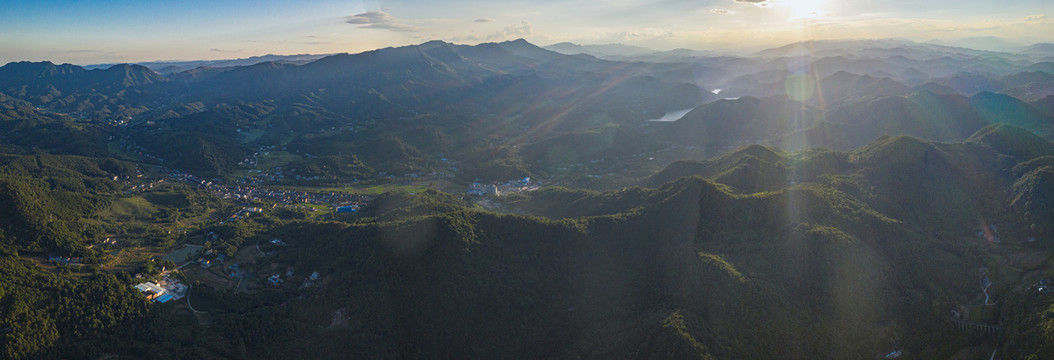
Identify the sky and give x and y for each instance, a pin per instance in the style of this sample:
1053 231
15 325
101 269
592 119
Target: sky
112 31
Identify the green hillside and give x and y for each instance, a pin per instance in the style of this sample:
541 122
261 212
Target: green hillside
869 253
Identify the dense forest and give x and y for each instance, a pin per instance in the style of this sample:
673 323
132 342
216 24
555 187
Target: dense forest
864 250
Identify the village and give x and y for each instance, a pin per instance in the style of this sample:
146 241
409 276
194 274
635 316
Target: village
497 188
253 193
248 271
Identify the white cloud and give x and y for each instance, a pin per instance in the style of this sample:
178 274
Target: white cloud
759 3
646 34
378 20
86 52
1036 17
514 31
522 29
722 11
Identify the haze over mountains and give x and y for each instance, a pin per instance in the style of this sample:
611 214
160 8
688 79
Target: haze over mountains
835 94
170 67
823 199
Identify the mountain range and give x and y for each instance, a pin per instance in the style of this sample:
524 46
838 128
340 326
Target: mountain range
827 199
172 67
546 96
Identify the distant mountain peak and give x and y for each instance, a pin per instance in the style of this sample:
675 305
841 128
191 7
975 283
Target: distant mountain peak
433 44
613 51
520 41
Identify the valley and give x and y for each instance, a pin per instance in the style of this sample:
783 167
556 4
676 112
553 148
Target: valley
824 199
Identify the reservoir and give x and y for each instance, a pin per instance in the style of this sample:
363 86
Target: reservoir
672 115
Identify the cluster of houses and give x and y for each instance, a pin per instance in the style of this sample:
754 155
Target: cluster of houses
254 159
243 212
1044 286
143 187
163 291
479 189
65 260
236 270
248 193
496 189
278 174
206 258
275 280
278 280
243 191
116 122
353 208
310 281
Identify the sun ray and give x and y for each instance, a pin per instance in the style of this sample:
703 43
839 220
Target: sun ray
804 9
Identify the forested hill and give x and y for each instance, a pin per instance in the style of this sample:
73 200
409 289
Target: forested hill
711 268
865 251
51 205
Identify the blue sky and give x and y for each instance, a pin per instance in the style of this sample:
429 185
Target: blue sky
85 32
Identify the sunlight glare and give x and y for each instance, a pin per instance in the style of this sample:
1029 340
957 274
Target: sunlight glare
804 9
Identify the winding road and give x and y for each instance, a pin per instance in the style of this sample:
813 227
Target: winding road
191 307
